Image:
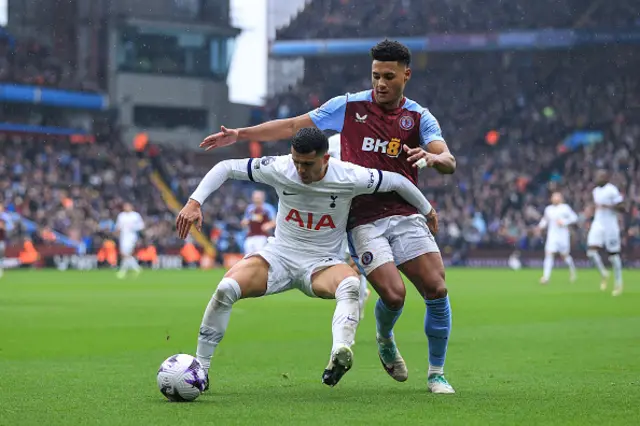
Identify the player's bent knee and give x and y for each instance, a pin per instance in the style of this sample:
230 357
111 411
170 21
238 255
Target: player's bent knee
252 275
227 293
393 297
325 283
349 288
439 292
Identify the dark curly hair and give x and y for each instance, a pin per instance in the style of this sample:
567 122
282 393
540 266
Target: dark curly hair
310 139
391 51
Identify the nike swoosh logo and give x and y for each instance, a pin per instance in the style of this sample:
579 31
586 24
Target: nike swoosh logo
288 193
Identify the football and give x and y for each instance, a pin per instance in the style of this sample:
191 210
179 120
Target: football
181 378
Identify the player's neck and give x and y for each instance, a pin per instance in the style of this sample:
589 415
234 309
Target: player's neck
324 171
390 105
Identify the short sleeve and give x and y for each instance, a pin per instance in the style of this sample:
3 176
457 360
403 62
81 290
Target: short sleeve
429 128
330 115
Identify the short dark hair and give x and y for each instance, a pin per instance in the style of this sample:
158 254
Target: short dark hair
310 139
391 51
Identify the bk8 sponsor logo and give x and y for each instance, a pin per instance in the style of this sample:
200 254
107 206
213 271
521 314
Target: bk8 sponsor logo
392 148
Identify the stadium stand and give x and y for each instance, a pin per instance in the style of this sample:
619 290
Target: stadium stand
344 18
520 123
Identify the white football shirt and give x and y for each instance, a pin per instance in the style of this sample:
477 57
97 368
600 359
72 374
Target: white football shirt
312 217
129 224
557 219
334 146
606 197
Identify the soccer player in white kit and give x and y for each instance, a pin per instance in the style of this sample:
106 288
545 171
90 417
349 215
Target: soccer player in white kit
605 231
315 193
334 151
128 224
556 219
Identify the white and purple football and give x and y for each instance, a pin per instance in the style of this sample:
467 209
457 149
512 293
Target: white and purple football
181 378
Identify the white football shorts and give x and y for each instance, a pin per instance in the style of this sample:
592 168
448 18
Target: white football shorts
290 268
127 246
397 239
607 237
558 245
254 243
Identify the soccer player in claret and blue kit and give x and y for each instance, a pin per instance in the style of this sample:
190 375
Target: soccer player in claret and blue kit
382 129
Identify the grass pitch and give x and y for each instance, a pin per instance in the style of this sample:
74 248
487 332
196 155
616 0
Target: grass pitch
84 348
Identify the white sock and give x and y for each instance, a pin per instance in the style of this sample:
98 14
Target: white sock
134 263
363 295
616 264
547 266
124 264
595 258
347 313
435 370
216 319
569 261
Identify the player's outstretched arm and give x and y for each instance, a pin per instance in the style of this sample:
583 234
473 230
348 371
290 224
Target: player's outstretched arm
395 182
274 130
219 174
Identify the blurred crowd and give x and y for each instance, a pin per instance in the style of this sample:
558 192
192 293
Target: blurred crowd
402 18
505 115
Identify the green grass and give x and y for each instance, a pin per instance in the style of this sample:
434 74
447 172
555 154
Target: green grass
84 348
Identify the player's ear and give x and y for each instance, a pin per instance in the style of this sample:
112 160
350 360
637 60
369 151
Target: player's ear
407 74
325 158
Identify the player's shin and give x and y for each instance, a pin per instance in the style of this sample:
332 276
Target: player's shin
572 267
547 267
597 260
216 319
437 326
347 313
616 264
363 295
385 319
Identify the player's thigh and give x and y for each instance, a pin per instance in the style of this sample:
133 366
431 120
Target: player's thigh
612 241
375 257
427 274
252 275
325 282
596 237
127 247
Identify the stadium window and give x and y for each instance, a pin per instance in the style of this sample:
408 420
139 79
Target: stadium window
174 52
151 117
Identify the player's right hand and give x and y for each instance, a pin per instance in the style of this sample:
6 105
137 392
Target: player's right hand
432 221
189 215
217 140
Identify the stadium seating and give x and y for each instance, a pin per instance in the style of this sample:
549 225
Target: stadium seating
505 116
350 18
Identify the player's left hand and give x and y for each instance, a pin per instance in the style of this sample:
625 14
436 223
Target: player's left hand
432 221
189 215
415 154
